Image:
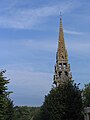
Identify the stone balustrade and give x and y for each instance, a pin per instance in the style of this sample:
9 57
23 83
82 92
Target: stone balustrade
87 113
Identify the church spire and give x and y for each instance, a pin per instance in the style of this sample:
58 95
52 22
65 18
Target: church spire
62 52
62 68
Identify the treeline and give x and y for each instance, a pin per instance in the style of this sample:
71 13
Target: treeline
65 102
24 112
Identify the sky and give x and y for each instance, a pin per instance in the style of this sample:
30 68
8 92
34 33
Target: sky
29 31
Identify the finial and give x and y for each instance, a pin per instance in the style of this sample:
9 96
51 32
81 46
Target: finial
60 15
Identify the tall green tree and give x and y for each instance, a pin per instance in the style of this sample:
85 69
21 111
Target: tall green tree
86 95
63 103
4 97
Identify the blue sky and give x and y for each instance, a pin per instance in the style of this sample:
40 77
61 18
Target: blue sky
28 44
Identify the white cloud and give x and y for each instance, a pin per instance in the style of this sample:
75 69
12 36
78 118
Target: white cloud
7 5
27 84
27 18
82 48
30 46
51 45
73 32
48 46
28 78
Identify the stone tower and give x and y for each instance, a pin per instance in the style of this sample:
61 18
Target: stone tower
62 68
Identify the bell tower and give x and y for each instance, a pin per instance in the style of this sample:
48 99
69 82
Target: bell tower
62 68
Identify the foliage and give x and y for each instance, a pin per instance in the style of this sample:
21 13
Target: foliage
86 95
62 103
9 109
24 112
38 114
5 102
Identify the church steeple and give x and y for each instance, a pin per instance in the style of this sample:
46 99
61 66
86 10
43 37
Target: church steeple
62 68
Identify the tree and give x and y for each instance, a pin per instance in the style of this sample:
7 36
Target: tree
63 103
4 97
86 95
9 109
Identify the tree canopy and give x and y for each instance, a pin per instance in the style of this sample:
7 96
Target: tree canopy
86 95
62 103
